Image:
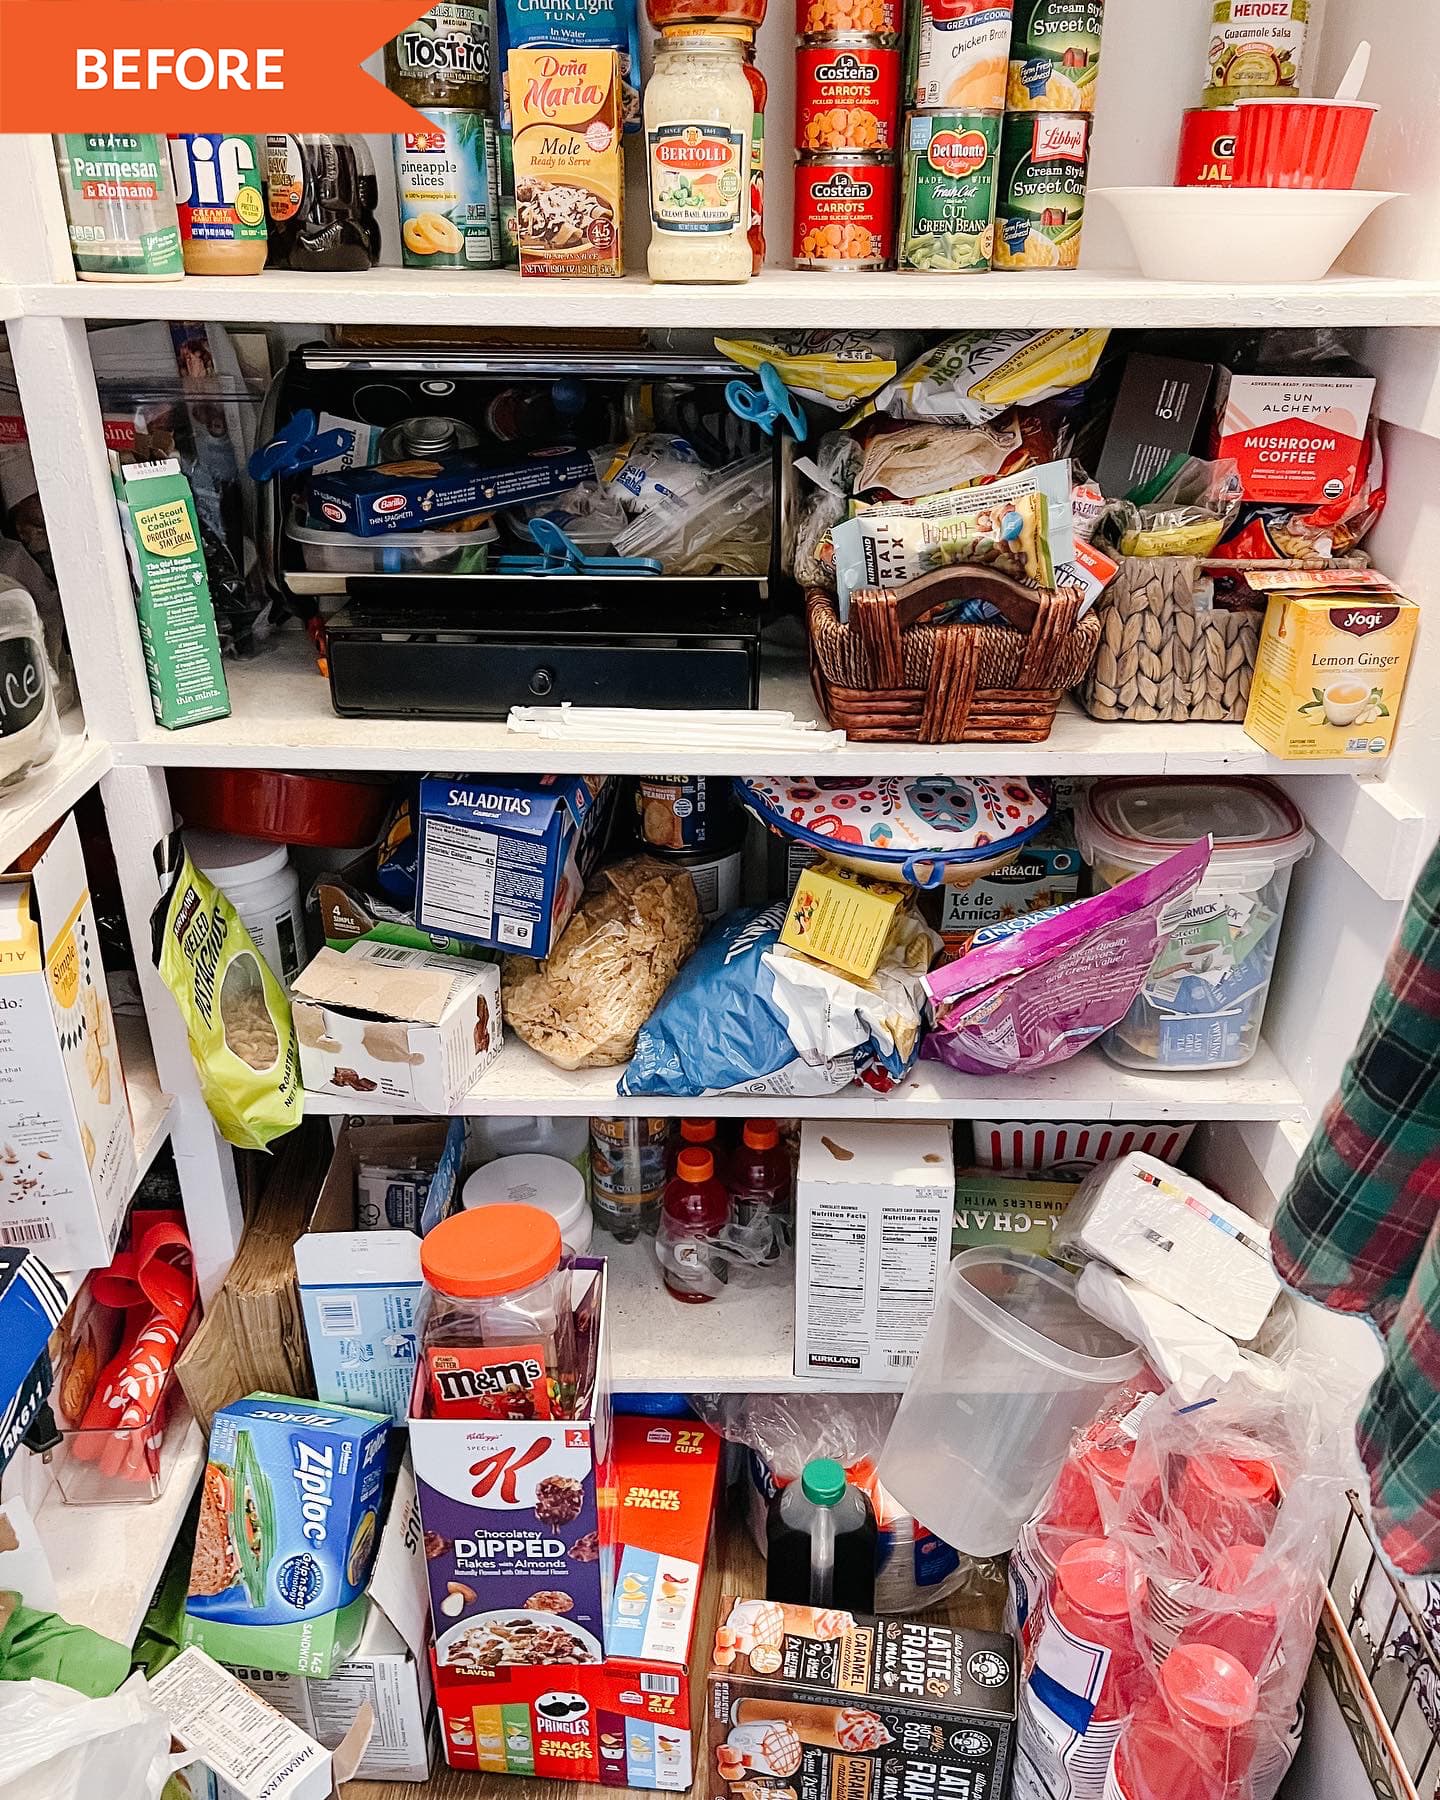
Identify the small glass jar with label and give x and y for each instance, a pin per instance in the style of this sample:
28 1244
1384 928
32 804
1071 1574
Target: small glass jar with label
699 117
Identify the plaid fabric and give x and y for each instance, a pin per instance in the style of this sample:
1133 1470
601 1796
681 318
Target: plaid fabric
1358 1229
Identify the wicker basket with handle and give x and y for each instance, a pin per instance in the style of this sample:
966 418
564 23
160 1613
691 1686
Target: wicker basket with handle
888 675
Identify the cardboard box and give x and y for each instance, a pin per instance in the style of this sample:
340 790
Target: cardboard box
1331 666
873 1211
172 593
289 1523
512 1508
361 1292
634 1720
254 1752
504 861
389 1669
349 916
567 109
402 1026
1041 875
63 1108
1007 1211
427 490
887 1707
1296 439
1158 414
842 918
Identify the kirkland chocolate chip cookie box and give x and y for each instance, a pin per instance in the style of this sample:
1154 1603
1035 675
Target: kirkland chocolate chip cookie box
815 1702
510 1508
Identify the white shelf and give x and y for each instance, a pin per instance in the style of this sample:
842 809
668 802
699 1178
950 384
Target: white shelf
47 795
778 298
282 718
742 1343
150 1109
107 1559
520 1083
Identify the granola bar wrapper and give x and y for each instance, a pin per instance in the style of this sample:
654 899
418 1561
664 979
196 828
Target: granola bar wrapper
1035 990
888 546
237 1019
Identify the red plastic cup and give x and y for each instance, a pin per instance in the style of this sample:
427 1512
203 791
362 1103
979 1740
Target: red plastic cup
1227 1500
1300 143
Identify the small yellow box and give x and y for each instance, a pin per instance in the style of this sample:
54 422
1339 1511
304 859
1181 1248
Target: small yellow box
1331 664
842 918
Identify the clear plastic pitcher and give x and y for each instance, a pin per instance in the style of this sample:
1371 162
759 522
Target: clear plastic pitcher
1010 1369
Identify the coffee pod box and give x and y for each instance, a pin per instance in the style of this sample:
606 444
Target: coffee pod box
69 1167
873 1212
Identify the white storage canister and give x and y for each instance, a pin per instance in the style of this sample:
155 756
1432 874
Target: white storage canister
257 880
548 1182
1204 998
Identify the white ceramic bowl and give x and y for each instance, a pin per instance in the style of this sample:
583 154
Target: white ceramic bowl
1239 234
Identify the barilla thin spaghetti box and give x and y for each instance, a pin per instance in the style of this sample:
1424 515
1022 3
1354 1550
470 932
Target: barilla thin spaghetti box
289 1526
1296 439
633 1720
504 859
428 490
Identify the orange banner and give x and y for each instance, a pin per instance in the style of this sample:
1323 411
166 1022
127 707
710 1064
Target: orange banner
158 65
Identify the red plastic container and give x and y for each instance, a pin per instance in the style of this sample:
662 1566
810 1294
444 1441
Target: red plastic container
1190 1740
1300 143
1090 1598
327 812
1206 157
1227 1500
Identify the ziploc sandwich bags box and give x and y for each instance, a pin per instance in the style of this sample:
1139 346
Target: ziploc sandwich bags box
289 1526
633 1720
504 859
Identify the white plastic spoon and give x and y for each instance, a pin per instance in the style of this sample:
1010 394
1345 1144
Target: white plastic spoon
1353 79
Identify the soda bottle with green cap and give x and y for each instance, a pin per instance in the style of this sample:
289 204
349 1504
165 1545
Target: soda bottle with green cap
821 1542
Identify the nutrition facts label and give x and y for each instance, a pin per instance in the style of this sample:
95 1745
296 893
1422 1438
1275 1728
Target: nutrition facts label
459 879
870 1285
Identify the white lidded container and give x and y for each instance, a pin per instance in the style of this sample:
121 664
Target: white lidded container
1203 1000
257 880
1010 1369
547 1182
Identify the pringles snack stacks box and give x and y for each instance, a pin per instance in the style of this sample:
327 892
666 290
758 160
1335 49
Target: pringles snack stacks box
812 1700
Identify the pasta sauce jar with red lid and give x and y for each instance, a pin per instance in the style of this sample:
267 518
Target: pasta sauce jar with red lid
844 212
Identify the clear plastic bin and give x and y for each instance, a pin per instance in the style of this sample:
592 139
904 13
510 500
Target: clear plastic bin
1009 1371
1202 1003
460 548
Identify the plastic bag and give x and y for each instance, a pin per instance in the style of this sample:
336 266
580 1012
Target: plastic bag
1223 1517
977 375
1260 531
57 1745
582 1005
832 472
722 527
832 368
650 469
782 1432
746 1015
928 457
1032 991
237 1018
1184 511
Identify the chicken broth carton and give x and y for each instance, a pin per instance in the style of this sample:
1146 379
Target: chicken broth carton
1331 665
566 106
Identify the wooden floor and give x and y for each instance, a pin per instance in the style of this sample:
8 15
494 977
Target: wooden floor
740 1570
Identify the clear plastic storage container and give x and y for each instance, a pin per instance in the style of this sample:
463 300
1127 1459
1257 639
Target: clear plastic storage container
462 549
499 1280
1009 1371
1204 998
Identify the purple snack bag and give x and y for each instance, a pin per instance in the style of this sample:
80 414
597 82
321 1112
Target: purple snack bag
1038 992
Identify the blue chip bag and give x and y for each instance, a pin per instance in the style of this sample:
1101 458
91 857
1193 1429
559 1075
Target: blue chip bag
606 24
747 1015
